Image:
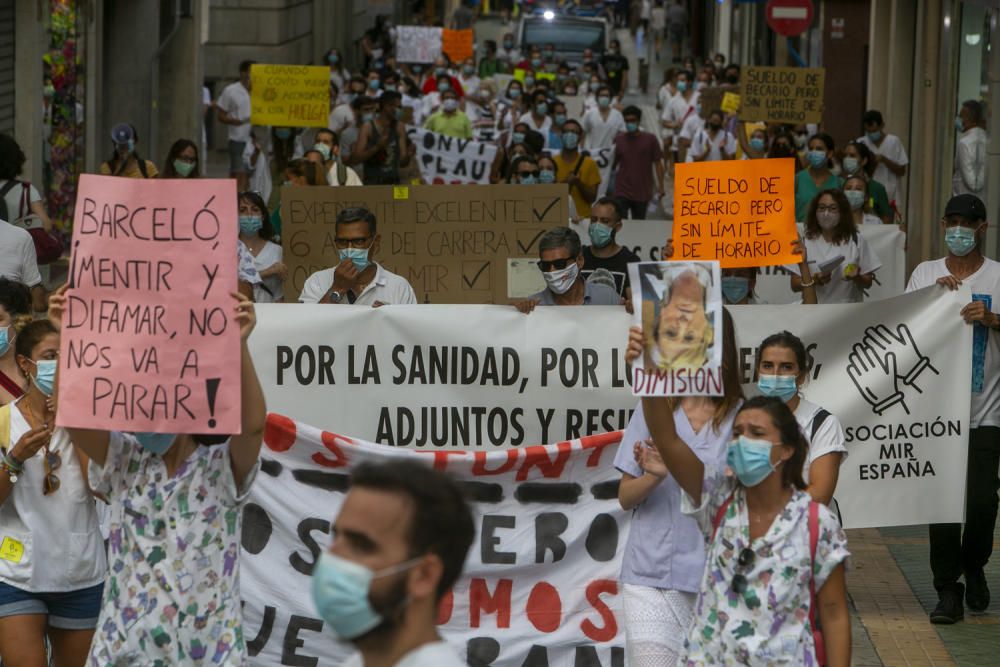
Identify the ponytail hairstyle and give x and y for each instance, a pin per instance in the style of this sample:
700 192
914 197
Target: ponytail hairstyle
791 436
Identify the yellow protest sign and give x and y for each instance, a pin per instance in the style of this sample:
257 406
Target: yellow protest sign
730 102
737 212
289 95
11 549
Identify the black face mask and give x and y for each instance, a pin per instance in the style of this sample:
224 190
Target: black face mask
733 79
210 439
714 127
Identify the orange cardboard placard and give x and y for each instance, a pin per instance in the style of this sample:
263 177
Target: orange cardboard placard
457 44
737 212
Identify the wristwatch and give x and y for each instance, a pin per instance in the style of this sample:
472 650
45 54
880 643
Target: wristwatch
335 296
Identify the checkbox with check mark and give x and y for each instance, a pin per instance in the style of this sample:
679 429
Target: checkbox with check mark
477 275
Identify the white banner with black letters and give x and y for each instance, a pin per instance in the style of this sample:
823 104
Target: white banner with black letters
540 585
895 372
448 160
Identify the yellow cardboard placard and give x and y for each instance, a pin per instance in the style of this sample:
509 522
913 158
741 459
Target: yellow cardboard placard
290 95
730 102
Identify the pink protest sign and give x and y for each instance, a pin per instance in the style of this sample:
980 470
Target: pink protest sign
148 341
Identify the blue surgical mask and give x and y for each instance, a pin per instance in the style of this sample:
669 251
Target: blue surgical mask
875 136
735 288
536 62
518 137
757 143
958 124
604 101
374 84
157 443
323 150
333 58
750 459
341 590
960 240
399 113
595 86
682 86
816 158
283 133
45 375
600 234
631 127
778 386
529 81
250 224
850 165
570 140
367 117
4 340
443 86
528 180
856 198
546 176
541 108
359 256
438 71
514 93
559 119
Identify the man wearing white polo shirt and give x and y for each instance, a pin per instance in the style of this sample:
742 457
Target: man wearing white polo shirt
356 279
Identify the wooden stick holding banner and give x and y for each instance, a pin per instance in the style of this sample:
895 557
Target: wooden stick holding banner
737 212
147 342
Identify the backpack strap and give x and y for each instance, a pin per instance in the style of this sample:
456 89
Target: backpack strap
817 422
813 541
721 513
142 166
341 173
4 213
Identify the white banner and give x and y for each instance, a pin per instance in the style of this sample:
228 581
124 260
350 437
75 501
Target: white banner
540 580
417 44
447 160
487 377
646 238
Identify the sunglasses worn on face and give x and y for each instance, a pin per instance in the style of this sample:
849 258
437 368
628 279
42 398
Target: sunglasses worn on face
743 563
555 264
522 174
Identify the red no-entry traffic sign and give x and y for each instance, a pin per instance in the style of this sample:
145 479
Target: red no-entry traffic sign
789 17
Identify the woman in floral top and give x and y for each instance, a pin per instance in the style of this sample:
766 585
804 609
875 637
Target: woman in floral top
754 603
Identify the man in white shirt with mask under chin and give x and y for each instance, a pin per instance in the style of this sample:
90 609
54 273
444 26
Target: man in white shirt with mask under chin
399 543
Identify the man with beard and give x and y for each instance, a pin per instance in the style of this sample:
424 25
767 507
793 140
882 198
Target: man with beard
399 543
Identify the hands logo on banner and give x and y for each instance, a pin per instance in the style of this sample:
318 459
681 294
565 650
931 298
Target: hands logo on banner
884 364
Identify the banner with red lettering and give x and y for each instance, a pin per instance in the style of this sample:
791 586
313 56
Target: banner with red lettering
540 585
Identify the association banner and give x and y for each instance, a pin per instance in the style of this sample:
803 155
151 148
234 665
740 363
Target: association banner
646 238
488 377
445 160
148 341
540 581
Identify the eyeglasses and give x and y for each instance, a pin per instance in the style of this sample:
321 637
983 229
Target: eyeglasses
555 264
52 462
827 209
743 564
361 243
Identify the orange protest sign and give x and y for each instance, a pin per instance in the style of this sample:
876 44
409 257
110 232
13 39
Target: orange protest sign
457 44
738 212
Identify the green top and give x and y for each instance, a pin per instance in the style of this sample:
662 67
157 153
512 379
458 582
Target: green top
456 125
806 191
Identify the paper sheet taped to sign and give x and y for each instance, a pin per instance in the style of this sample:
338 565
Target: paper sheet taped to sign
737 212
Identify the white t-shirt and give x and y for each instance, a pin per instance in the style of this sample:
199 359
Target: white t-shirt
350 176
235 101
829 437
341 117
856 251
18 260
678 110
268 256
601 132
387 288
13 199
436 654
891 148
57 535
691 127
871 219
259 172
985 285
723 141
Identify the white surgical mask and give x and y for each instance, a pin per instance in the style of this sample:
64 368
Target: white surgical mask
560 281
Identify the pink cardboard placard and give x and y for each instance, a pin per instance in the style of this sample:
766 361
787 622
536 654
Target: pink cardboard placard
148 340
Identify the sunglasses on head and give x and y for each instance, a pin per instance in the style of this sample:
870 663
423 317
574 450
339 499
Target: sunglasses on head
743 563
555 264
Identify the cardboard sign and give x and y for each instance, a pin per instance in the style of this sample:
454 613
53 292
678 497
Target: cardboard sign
290 95
457 44
679 309
782 94
451 244
148 340
736 212
451 161
417 44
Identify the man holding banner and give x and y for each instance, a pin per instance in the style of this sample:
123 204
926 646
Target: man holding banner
952 552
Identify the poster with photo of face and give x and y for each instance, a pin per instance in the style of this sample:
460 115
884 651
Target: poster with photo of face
678 306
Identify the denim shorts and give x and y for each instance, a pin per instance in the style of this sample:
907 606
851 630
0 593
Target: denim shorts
72 610
236 165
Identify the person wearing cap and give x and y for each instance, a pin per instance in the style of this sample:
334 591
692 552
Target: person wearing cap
234 110
125 160
954 554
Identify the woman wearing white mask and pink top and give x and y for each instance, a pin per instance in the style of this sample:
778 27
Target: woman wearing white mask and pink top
844 263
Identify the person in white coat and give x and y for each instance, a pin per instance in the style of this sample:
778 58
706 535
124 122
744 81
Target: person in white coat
970 153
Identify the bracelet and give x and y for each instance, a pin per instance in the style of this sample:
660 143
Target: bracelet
808 284
11 467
